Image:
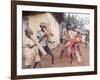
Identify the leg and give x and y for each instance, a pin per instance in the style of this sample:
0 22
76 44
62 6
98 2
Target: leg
79 50
86 44
69 54
72 55
40 65
37 60
47 49
40 54
52 57
61 54
37 63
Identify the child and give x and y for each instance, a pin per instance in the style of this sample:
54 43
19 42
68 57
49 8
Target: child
30 50
44 38
72 46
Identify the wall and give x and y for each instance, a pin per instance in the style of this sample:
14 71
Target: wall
52 25
5 40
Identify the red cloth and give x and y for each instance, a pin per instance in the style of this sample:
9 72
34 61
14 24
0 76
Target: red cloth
71 42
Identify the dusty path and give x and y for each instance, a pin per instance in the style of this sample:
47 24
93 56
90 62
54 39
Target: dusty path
46 61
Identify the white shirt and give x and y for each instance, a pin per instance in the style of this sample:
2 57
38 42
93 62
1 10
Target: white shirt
44 41
30 54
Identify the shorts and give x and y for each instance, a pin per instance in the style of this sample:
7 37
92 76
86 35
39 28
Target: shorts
47 49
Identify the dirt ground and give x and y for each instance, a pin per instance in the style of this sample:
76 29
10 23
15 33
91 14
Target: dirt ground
64 62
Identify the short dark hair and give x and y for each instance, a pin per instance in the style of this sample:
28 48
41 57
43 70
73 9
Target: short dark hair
43 25
28 30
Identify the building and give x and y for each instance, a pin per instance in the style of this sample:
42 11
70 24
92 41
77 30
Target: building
51 19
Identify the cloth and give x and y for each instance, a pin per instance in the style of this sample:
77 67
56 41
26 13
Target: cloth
30 54
71 34
47 49
44 42
72 42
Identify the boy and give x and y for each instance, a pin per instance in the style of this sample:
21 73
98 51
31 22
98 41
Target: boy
44 37
30 50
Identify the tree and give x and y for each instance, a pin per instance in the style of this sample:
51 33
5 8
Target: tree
75 21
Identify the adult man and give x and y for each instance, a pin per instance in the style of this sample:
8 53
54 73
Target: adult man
43 37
